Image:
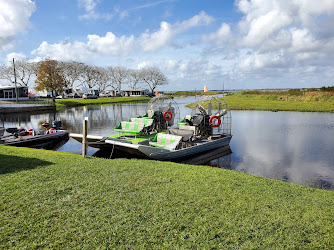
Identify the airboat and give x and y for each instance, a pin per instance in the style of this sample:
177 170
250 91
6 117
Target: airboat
157 134
161 114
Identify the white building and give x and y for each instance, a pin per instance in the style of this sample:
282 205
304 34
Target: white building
136 92
8 93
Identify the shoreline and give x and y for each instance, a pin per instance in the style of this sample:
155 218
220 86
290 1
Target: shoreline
235 101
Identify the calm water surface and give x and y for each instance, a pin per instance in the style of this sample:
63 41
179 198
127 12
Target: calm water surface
289 146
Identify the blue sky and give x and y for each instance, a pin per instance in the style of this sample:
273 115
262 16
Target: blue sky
244 44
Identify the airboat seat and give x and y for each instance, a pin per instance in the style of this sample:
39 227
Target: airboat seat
186 120
134 126
146 121
149 114
166 141
186 134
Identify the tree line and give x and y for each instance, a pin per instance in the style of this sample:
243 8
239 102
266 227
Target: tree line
53 75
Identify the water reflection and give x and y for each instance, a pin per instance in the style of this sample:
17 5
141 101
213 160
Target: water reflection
220 158
289 146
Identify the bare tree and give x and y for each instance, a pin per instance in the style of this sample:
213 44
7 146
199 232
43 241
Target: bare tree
101 78
154 77
87 77
117 77
72 72
2 71
24 71
135 77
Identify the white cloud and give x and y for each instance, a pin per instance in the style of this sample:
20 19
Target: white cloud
172 65
154 41
64 51
303 41
91 14
264 19
96 46
123 14
158 39
220 36
286 39
197 69
14 18
119 46
89 5
16 56
262 27
256 62
144 64
110 44
213 71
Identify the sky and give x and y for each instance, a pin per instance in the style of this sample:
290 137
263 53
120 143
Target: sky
241 44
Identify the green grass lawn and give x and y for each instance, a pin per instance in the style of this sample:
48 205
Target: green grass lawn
68 103
61 200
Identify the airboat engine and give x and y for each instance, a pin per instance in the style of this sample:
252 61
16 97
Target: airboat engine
56 125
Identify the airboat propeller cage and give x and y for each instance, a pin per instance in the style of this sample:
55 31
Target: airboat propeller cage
214 106
163 104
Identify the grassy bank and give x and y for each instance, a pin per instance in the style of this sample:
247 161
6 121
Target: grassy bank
60 200
68 103
281 101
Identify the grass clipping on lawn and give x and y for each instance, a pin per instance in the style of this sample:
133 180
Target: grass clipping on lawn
55 200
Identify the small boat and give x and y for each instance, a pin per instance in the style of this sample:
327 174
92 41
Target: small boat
161 113
51 138
205 129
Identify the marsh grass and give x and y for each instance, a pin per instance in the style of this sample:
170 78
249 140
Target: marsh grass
61 200
280 101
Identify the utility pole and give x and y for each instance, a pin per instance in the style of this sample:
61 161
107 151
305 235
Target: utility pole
16 94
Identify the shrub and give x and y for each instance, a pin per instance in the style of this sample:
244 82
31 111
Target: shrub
327 89
296 92
312 90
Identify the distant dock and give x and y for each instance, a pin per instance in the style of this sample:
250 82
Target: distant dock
22 108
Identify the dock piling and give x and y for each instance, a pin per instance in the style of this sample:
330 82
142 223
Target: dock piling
84 137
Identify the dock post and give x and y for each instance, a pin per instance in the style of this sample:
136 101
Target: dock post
84 137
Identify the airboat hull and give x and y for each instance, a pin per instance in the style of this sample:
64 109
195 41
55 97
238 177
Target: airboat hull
144 150
160 154
186 153
46 141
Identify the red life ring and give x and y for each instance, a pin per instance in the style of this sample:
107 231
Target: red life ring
168 115
218 121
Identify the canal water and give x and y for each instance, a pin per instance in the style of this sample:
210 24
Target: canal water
295 147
